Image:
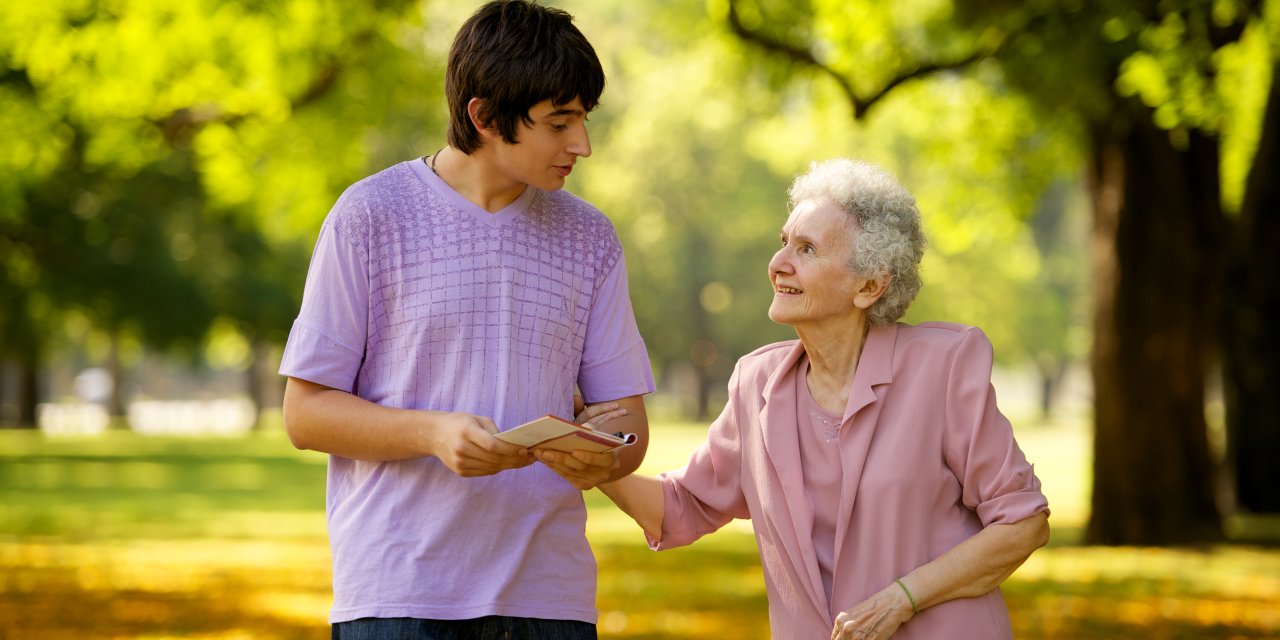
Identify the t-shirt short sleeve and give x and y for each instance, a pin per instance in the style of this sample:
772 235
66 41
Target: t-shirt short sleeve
615 363
327 340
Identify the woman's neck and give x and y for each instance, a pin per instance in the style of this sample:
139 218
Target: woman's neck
833 351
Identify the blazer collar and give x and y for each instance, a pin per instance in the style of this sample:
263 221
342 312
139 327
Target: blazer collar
782 447
875 367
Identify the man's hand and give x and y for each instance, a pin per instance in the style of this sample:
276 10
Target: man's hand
583 469
465 444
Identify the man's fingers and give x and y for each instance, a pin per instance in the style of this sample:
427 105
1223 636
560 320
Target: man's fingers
579 460
559 460
492 452
503 448
486 424
606 460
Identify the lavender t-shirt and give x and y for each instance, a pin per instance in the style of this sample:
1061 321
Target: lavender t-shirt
416 298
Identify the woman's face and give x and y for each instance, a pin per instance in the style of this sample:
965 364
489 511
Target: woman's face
812 283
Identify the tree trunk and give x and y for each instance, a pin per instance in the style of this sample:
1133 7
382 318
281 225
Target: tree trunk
1251 343
702 347
116 401
261 379
1157 239
1051 378
28 391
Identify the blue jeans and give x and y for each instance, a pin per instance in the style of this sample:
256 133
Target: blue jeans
487 628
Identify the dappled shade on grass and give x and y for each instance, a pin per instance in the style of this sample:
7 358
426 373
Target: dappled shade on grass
126 537
194 588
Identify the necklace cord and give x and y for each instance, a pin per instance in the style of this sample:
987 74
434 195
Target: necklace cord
432 163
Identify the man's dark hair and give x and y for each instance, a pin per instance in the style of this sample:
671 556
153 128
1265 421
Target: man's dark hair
514 54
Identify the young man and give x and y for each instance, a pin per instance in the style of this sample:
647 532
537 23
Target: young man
452 297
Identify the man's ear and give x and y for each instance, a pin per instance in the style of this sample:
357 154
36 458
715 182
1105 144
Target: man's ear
480 118
870 291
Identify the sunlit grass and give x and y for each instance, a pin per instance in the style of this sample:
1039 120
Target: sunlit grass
130 537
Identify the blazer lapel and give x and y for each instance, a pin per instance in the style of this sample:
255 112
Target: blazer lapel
782 448
875 368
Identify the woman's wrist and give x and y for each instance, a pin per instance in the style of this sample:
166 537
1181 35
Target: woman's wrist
911 598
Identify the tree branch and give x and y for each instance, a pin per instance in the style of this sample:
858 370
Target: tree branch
804 57
796 54
183 121
17 78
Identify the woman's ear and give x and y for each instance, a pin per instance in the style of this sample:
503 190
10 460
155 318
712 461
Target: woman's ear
870 291
480 118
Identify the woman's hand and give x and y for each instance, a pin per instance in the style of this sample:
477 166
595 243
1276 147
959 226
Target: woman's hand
876 617
597 414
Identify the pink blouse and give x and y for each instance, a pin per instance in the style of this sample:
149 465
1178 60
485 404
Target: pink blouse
926 460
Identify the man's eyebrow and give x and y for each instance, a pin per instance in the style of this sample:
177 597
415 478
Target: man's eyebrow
566 112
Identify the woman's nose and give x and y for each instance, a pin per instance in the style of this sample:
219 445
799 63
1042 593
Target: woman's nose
779 263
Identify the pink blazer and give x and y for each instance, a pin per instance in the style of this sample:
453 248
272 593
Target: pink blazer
928 461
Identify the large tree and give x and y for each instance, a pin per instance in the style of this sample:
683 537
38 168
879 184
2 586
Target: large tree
1144 82
168 163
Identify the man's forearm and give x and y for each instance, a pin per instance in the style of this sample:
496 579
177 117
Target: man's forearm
635 421
336 422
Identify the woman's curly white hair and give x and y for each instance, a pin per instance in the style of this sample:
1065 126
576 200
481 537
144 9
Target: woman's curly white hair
891 242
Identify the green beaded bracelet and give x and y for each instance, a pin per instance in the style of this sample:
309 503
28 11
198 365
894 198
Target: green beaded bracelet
910 598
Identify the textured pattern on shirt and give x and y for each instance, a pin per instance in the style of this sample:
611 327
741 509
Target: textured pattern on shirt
417 299
464 301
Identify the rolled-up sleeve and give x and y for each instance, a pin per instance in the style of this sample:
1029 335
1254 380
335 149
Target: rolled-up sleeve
998 482
707 493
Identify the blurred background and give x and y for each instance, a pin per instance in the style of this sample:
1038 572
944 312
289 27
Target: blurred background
1098 182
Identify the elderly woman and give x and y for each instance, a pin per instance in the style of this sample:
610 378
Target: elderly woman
887 493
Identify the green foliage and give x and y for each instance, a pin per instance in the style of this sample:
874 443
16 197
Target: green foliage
978 156
169 162
999 102
206 140
697 212
694 152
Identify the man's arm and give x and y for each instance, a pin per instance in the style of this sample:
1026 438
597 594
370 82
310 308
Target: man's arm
325 419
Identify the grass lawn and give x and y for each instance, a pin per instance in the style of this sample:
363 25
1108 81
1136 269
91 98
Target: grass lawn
130 537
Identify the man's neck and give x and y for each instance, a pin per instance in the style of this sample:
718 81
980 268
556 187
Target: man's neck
476 178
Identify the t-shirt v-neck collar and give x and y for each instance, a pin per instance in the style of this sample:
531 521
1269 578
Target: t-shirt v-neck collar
496 219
